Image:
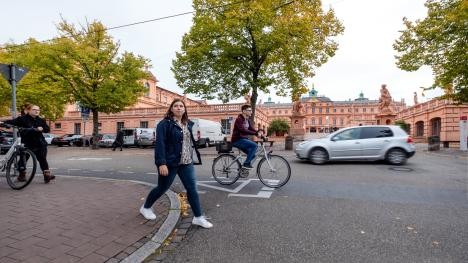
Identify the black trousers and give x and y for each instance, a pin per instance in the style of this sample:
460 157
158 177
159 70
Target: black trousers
117 144
41 156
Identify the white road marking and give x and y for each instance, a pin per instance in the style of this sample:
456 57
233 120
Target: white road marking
89 159
125 172
265 192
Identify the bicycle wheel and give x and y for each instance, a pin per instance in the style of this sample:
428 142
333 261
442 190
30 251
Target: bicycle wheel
226 169
25 160
275 174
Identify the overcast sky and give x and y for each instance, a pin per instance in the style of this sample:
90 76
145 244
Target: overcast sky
364 60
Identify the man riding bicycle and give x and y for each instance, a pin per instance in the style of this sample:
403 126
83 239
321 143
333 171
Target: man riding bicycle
240 135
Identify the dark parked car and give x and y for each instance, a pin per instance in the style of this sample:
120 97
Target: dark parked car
62 140
6 140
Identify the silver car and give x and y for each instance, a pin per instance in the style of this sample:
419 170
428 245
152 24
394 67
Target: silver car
376 142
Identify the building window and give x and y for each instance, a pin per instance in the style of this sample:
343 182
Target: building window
279 112
77 128
327 110
341 121
420 128
143 124
226 126
313 109
320 121
120 125
58 125
274 112
147 86
313 121
320 110
334 110
342 110
99 125
372 109
349 109
356 110
364 110
334 121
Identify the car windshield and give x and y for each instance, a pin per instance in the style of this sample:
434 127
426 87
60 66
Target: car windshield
108 136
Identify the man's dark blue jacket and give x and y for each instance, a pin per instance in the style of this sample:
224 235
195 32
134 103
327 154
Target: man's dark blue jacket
168 148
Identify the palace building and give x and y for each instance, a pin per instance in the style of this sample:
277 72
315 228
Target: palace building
318 114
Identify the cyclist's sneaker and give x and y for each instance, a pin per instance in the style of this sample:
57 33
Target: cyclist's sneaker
201 221
247 166
147 213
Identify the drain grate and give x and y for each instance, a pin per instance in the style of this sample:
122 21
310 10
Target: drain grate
401 169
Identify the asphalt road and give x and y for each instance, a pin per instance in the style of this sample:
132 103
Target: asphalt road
339 212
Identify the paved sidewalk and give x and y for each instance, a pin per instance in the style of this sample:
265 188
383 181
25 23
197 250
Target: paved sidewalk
78 220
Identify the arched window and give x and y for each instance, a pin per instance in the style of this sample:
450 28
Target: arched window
420 128
436 125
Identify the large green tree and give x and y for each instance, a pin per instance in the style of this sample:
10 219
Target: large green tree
85 65
50 96
243 47
441 42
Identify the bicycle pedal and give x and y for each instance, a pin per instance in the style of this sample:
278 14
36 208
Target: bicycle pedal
244 173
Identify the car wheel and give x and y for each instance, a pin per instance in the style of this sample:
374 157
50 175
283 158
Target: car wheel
396 157
318 156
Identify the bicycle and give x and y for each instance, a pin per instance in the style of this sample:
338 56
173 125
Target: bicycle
17 159
273 170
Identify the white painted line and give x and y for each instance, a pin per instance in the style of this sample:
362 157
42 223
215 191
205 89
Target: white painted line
125 172
152 173
72 169
261 194
266 188
98 170
89 159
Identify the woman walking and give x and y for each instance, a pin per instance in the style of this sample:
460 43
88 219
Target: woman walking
173 155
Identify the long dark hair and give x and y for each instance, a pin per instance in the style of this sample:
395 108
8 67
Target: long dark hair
170 115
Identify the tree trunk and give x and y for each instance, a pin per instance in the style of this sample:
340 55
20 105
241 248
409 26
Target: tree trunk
95 127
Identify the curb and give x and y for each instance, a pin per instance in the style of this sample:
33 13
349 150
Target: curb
163 232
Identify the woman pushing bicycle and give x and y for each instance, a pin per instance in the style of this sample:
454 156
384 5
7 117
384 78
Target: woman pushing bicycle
31 135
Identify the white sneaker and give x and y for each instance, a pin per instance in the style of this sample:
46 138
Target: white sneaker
147 213
201 221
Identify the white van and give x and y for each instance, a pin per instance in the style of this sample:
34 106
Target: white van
206 132
140 137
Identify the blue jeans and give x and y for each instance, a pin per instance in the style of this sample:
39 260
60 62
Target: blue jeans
186 174
248 147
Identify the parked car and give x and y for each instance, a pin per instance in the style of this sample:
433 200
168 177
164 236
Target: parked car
140 137
6 141
80 140
62 140
374 142
48 137
106 140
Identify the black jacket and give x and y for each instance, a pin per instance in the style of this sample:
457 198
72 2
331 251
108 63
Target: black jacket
30 136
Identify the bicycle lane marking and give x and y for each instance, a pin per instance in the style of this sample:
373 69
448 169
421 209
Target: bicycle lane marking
265 192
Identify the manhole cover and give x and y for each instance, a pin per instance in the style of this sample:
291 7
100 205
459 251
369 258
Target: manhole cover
401 169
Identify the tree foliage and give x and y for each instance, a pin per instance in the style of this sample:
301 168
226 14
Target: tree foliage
84 66
439 41
405 126
241 47
278 126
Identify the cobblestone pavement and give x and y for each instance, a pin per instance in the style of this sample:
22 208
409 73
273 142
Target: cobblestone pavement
75 220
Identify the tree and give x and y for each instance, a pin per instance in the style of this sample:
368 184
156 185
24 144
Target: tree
405 126
438 41
236 48
278 126
87 65
50 96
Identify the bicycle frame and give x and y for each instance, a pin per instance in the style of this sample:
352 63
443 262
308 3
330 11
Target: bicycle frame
7 156
260 151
